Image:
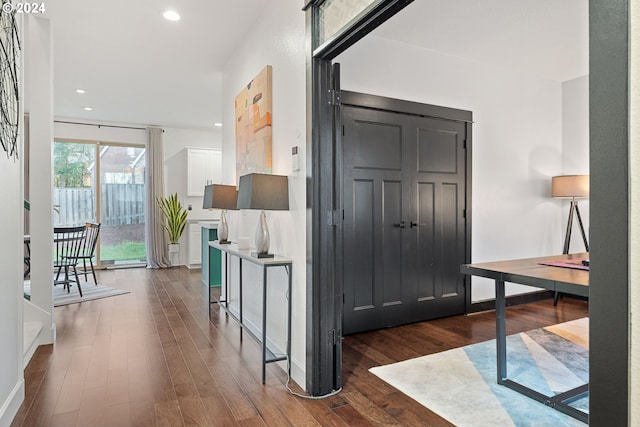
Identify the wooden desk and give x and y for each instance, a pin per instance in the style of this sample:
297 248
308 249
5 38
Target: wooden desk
531 272
277 261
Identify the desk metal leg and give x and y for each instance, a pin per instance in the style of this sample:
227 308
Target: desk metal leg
559 402
240 286
264 323
501 331
290 271
226 281
209 275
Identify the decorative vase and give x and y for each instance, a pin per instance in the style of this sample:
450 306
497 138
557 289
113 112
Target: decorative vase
174 248
262 235
223 228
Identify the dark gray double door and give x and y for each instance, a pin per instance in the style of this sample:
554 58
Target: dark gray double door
404 230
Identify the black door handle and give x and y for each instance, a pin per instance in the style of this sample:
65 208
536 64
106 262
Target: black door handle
413 224
401 225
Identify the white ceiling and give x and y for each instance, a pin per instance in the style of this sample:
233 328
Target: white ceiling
138 68
547 38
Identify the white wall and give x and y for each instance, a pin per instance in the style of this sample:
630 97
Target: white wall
11 226
39 102
517 141
277 39
174 142
575 148
634 216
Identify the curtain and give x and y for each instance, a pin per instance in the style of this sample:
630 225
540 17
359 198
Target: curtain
155 236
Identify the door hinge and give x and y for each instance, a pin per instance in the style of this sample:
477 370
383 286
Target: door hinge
464 213
334 336
464 144
334 217
334 97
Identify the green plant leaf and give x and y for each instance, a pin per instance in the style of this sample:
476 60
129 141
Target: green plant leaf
175 216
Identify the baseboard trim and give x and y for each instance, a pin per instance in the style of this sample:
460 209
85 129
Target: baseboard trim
488 305
11 406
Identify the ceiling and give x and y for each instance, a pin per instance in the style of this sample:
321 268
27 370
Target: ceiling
138 68
547 38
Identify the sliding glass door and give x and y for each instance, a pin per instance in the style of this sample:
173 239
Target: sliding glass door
104 183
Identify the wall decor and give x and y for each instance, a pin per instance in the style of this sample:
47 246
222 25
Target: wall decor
9 88
253 125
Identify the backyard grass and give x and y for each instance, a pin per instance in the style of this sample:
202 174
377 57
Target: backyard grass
127 251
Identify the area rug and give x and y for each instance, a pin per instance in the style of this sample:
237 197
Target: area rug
90 292
460 384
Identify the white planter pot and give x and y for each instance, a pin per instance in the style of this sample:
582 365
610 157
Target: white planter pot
174 248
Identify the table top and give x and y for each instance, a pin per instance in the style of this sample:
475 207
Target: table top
245 254
530 272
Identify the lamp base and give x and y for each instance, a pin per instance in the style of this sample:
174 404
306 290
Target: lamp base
261 255
224 242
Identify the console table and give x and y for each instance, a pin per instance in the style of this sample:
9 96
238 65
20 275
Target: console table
531 272
268 356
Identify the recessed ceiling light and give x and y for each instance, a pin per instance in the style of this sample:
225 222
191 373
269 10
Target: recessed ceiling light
80 91
218 125
88 109
171 15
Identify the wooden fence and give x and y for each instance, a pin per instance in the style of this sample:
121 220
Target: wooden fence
121 204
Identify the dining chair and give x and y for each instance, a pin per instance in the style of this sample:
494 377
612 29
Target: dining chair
27 255
67 242
87 252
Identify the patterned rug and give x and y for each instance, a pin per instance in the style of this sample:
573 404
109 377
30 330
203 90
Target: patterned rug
460 384
89 292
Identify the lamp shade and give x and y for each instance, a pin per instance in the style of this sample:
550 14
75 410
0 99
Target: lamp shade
263 191
570 186
217 196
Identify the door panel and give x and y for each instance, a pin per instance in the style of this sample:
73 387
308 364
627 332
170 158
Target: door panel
425 255
378 146
391 245
437 151
362 270
374 185
404 231
450 242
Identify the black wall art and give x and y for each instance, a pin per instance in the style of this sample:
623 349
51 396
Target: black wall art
9 84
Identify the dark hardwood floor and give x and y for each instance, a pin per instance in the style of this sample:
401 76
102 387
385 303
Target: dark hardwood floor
154 358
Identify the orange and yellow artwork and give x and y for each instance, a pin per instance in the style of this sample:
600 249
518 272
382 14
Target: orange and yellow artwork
253 125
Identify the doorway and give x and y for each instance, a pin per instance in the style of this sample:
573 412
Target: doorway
609 144
104 183
405 181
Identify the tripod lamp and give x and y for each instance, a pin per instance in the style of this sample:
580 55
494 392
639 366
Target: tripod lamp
264 192
571 187
223 197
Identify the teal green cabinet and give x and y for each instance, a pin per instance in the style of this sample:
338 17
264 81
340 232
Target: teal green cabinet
211 264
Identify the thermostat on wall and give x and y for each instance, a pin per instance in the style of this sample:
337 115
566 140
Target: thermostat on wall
295 160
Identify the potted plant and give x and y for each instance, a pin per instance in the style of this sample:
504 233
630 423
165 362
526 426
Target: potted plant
175 219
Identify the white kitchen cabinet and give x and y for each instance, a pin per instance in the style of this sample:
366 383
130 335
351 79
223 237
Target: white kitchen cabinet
204 167
195 250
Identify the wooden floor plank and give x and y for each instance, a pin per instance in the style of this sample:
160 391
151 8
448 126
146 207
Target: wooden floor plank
154 357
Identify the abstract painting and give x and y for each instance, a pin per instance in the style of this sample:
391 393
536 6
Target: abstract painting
253 125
